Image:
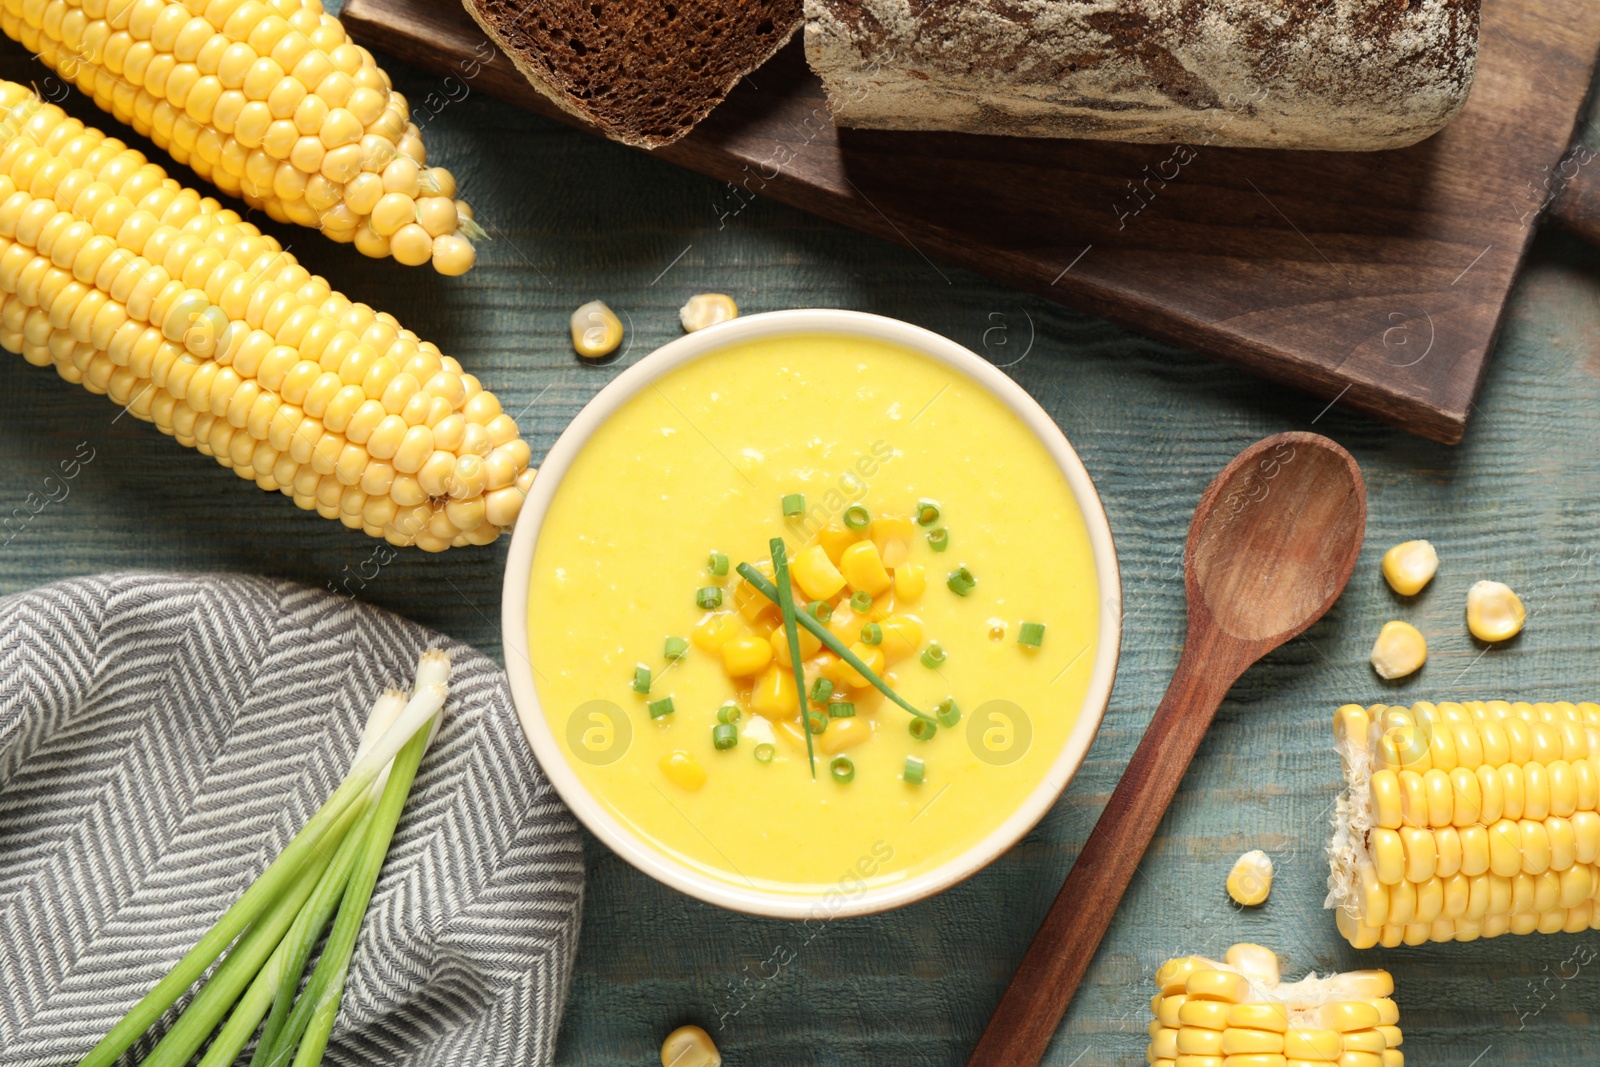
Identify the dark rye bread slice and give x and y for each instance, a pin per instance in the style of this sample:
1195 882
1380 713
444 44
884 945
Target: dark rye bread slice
643 71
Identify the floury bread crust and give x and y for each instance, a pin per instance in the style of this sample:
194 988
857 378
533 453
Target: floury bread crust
1353 75
643 71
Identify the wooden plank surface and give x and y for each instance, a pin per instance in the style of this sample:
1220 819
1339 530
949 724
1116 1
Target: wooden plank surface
578 218
1376 278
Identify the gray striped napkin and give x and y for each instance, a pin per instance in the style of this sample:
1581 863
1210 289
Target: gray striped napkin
163 736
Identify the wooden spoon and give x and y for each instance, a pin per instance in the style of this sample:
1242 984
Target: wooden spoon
1272 544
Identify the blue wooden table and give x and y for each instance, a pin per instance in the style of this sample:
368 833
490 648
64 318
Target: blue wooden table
574 219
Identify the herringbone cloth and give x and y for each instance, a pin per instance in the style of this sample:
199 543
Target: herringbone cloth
163 736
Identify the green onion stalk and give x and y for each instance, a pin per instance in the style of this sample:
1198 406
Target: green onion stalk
276 922
785 602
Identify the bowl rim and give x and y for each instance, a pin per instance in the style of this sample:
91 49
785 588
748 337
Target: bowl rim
630 845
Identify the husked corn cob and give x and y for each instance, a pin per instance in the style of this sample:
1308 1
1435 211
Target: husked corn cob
190 318
1467 820
1237 1013
271 102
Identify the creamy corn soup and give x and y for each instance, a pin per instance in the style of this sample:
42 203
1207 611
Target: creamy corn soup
670 685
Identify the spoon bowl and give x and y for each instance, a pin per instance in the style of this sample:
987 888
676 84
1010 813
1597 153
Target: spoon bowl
1273 542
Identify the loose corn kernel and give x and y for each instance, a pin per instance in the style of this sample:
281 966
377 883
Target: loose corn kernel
844 734
892 535
774 695
689 1046
596 330
707 309
1400 650
871 655
744 656
902 636
863 568
1409 566
1331 1020
715 630
682 770
1494 612
910 581
815 573
1251 878
835 538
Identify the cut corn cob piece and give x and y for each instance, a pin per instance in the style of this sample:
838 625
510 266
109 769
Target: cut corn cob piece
271 102
190 318
1238 1013
1468 820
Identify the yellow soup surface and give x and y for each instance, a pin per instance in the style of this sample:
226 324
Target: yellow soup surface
700 462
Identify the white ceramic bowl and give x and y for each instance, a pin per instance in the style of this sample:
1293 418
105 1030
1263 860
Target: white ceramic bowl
514 615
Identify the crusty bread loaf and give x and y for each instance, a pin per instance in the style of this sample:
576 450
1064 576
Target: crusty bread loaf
1329 74
643 71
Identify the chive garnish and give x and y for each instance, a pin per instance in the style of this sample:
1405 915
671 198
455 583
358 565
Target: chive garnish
676 648
724 735
860 601
820 610
933 656
872 634
915 769
961 582
1031 635
923 729
641 679
662 707
947 712
927 512
794 505
728 713
841 709
709 597
939 539
856 517
842 769
821 690
717 563
816 722
764 753
783 595
758 581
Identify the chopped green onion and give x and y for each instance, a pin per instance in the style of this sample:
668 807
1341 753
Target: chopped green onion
961 582
661 707
915 769
816 722
821 690
676 648
927 512
939 539
641 679
794 505
933 656
923 729
856 517
1032 634
843 770
947 712
782 594
729 712
820 610
772 592
709 597
724 735
872 634
718 563
841 709
764 753
860 601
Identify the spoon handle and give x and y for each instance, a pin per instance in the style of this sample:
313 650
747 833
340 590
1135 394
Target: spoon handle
1021 1027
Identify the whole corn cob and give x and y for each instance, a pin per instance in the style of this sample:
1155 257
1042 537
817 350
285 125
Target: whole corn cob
1238 1014
1466 820
271 102
190 318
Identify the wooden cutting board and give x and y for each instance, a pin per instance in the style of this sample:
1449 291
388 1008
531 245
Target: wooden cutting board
1376 280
